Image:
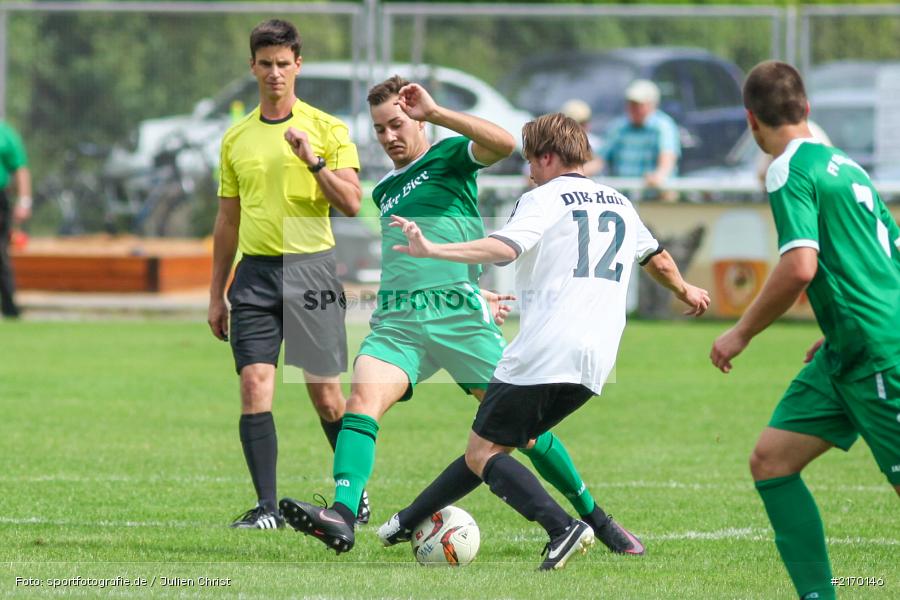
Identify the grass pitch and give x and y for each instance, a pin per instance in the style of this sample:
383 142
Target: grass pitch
122 460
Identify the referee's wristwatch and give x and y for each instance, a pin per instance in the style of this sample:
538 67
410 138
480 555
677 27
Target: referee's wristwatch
318 166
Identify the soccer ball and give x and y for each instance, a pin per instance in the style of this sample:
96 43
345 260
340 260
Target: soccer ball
448 537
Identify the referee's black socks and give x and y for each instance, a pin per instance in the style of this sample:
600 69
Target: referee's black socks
260 444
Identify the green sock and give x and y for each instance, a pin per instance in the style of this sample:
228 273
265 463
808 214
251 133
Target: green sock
799 534
354 457
551 459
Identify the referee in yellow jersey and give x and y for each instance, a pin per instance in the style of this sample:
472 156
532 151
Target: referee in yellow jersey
283 167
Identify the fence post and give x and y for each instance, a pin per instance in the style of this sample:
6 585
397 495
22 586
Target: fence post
3 61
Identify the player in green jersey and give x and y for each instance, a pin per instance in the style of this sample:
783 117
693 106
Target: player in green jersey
431 315
838 242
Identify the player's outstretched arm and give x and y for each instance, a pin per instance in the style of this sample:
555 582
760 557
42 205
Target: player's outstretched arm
792 274
485 250
663 269
492 143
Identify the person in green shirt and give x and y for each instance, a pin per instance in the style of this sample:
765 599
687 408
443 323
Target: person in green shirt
839 243
431 315
13 167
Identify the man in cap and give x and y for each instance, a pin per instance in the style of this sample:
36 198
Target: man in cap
644 143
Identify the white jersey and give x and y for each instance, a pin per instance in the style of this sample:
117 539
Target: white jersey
577 242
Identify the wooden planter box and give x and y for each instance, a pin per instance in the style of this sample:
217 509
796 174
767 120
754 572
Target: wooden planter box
114 268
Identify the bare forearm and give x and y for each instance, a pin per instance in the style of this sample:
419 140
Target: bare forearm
23 182
341 189
779 293
485 250
665 272
225 242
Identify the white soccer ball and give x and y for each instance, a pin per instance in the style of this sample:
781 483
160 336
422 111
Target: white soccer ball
449 537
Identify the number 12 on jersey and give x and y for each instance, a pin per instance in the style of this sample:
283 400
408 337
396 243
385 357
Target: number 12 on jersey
607 220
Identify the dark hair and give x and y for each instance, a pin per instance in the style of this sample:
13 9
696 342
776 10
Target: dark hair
557 134
381 92
275 32
775 94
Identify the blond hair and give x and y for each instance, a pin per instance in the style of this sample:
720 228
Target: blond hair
556 134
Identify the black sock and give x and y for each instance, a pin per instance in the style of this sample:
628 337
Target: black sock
596 519
455 482
260 444
348 515
518 487
331 429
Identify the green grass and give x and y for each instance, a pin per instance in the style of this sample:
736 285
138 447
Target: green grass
121 458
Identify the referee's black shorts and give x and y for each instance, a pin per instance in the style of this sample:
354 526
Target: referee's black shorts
511 415
296 298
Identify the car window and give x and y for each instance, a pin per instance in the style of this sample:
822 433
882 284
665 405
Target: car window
545 88
333 96
244 91
671 97
452 96
711 85
851 128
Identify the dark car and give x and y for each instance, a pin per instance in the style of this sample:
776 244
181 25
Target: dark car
701 91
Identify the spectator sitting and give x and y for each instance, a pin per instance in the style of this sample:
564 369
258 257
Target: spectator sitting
644 143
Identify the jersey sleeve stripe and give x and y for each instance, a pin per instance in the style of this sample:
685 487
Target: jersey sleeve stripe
650 255
471 151
516 247
801 243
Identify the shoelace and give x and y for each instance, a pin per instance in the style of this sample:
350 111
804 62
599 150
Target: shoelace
250 513
546 549
320 499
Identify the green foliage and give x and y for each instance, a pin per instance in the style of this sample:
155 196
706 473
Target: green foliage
124 460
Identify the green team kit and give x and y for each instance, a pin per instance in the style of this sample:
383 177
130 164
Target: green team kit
823 200
430 313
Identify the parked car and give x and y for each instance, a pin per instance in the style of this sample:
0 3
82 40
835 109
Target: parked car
338 88
701 91
845 99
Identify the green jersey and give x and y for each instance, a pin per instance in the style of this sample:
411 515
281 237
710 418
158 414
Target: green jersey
822 199
439 192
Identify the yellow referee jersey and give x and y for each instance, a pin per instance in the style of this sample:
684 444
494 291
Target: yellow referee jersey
275 188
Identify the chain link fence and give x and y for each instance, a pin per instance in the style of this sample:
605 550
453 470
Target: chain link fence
122 104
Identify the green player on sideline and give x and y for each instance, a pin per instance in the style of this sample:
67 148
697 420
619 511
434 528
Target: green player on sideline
422 322
839 243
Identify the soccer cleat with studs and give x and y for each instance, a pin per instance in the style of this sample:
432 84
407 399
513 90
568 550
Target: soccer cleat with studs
392 532
577 537
323 523
258 518
617 538
364 512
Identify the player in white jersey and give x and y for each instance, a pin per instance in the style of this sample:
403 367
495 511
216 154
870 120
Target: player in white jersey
574 242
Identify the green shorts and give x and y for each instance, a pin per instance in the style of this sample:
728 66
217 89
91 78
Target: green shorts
450 328
816 403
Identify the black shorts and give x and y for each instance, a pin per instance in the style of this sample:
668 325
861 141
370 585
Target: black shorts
295 298
511 415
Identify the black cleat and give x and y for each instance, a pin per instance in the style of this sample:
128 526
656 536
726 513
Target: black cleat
364 512
323 523
259 518
615 537
577 537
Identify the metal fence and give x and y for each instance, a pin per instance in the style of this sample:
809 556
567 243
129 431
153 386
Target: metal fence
80 78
